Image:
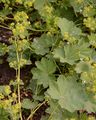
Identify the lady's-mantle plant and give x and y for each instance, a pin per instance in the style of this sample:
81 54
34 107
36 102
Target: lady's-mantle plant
57 39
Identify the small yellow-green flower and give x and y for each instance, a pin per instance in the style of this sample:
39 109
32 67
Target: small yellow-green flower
48 9
16 108
1 96
14 96
6 104
88 10
66 35
13 64
7 90
90 22
23 62
21 16
20 28
28 3
22 44
19 1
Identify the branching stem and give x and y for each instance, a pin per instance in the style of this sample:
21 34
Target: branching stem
34 111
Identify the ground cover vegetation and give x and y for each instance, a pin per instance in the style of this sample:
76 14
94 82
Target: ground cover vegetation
47 59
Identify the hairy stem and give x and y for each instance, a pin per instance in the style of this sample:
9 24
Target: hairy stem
18 78
34 111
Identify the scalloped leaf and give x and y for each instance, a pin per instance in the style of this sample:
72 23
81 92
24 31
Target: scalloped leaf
70 94
41 45
44 71
65 55
68 26
83 67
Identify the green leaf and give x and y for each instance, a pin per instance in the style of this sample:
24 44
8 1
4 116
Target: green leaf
41 45
44 71
71 54
78 51
5 11
4 115
5 90
65 55
28 104
63 12
90 13
38 97
83 49
92 39
68 26
59 113
59 53
33 85
77 6
70 94
47 66
83 116
89 76
43 117
2 89
83 67
39 4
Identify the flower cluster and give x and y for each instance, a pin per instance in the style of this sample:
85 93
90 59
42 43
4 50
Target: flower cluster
79 1
26 3
21 46
69 37
48 9
20 16
7 90
21 29
21 26
90 23
7 98
88 11
92 39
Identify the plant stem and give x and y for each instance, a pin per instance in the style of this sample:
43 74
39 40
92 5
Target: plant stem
18 78
37 30
4 27
33 112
